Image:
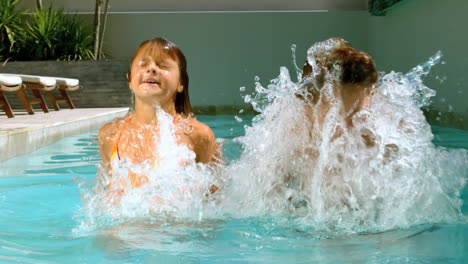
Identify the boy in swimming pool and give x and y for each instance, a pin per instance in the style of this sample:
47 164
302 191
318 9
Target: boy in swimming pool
350 73
157 78
339 83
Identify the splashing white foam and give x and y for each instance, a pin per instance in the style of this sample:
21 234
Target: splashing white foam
177 188
291 166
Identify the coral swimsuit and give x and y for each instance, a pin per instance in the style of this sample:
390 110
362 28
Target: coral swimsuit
115 157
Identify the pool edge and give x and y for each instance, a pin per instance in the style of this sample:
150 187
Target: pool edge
22 141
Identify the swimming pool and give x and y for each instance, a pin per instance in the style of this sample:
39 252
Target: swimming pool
39 221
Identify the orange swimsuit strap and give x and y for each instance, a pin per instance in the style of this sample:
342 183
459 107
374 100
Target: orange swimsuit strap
115 151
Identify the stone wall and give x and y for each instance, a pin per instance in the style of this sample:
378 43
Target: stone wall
103 82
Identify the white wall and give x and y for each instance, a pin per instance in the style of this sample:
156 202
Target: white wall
415 30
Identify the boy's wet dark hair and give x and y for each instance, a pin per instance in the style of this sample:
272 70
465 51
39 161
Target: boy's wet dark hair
356 67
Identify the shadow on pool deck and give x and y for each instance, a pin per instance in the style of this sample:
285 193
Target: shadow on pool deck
25 133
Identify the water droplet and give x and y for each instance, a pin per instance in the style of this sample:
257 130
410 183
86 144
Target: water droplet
293 47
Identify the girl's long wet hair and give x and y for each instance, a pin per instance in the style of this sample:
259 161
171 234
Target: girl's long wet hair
161 46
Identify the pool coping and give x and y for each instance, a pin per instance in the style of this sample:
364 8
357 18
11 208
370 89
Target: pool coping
57 125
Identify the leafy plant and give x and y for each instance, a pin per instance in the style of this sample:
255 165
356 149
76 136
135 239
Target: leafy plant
380 7
47 34
53 35
76 42
44 32
11 32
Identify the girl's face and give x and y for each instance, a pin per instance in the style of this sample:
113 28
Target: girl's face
155 76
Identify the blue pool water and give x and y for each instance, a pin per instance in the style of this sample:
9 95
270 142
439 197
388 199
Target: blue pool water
40 204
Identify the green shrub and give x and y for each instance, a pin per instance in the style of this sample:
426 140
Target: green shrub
11 31
53 35
48 34
77 40
44 33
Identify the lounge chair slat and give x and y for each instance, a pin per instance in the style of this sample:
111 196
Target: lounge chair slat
10 81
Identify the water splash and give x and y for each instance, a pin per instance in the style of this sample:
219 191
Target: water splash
296 170
382 173
177 188
294 61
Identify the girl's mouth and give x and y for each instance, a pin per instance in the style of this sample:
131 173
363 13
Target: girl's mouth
151 81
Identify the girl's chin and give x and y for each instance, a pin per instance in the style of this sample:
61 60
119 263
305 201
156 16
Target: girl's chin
145 91
156 98
148 88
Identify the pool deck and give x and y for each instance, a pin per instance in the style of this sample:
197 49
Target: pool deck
24 133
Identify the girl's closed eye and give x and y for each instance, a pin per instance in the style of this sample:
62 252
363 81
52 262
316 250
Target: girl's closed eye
143 64
163 66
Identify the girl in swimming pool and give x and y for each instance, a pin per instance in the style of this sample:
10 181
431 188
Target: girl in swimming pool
158 79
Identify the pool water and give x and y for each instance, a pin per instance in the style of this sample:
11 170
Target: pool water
40 203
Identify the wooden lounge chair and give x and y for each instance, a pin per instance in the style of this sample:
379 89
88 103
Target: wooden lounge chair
64 85
9 84
48 84
36 84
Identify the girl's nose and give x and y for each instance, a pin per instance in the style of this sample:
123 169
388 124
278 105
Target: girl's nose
153 68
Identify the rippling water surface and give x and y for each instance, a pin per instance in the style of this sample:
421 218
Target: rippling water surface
39 222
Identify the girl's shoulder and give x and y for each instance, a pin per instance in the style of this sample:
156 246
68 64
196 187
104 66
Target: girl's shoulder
204 141
199 129
109 131
200 132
